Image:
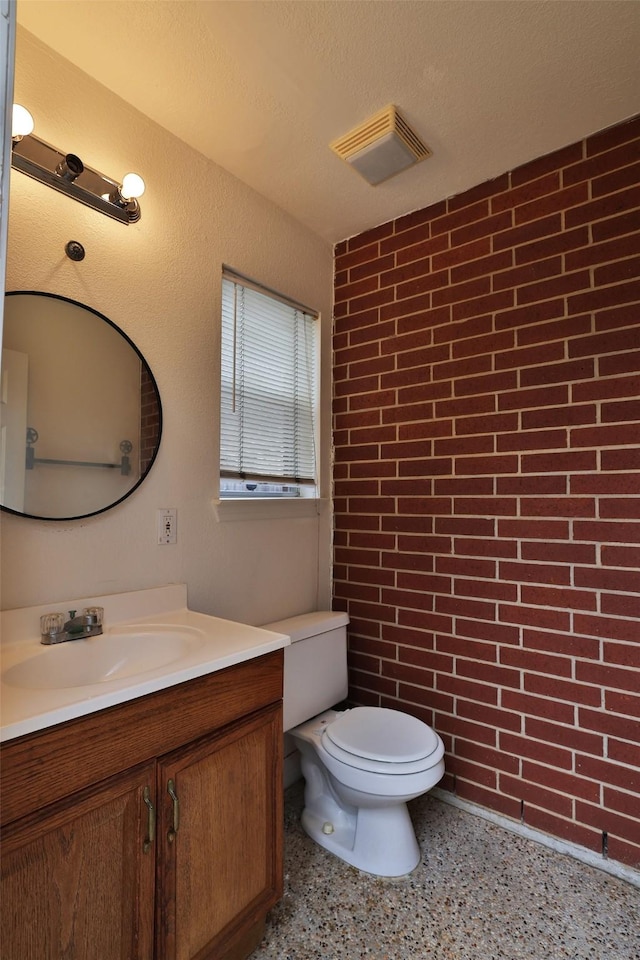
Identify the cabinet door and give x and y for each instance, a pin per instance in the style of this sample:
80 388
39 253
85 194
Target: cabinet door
76 882
220 840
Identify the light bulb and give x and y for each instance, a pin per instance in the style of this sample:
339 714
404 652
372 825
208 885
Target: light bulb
132 186
21 122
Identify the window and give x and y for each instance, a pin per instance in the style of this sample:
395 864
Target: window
269 405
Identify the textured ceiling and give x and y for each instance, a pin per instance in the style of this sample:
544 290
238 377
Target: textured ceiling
263 87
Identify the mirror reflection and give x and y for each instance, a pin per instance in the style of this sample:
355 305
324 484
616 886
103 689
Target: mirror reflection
80 411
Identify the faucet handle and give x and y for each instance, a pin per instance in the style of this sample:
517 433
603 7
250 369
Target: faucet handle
51 623
95 615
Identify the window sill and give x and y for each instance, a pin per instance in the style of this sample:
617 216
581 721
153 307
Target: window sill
276 509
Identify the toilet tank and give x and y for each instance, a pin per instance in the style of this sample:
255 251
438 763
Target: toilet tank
315 665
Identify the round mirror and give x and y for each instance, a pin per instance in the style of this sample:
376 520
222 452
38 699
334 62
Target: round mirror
81 414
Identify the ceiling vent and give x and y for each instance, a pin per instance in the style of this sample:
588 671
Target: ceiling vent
381 147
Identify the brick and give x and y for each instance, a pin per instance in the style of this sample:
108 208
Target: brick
460 216
460 607
537 795
474 772
609 342
534 750
533 440
626 728
477 466
527 233
606 578
536 617
610 773
614 556
570 737
620 459
539 353
464 253
481 267
568 783
522 399
479 305
624 703
535 573
485 590
566 829
528 191
534 529
466 729
552 203
582 369
427 659
418 250
609 628
488 673
493 716
557 287
528 273
624 132
604 297
608 206
540 484
615 678
609 822
622 752
557 506
488 798
559 553
565 462
606 483
616 226
621 410
560 689
530 705
550 161
486 344
408 673
486 547
566 644
467 526
566 242
529 660
626 654
559 416
372 682
462 647
531 313
621 605
486 630
482 228
479 753
467 690
625 803
604 531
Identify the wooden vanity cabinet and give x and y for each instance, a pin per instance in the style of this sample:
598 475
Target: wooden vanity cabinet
150 831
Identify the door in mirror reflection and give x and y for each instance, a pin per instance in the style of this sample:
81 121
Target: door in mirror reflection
80 412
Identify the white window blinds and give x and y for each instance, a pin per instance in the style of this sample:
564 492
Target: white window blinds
269 386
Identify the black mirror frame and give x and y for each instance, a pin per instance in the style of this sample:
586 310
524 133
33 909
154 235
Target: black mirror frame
101 316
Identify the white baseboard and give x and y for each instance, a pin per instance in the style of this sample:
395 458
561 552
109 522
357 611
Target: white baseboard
560 846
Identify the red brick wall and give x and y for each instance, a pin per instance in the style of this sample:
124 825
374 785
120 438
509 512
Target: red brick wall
487 442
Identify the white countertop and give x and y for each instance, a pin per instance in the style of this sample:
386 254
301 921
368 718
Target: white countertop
220 643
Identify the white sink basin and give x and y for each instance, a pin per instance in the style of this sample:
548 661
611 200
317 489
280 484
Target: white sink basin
120 652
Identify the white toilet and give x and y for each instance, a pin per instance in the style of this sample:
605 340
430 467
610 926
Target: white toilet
362 765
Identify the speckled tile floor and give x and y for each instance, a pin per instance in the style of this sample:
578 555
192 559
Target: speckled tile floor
480 893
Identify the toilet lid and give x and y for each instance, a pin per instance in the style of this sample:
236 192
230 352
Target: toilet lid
387 736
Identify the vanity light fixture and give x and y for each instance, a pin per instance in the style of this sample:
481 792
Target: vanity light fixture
67 173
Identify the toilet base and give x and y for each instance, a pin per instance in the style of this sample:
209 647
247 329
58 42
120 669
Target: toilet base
379 840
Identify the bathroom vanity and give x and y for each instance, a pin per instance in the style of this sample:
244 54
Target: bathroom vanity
151 828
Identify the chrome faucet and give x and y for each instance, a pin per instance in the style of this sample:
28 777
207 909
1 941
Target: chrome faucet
55 629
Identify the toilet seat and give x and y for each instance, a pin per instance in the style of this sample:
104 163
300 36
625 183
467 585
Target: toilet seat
382 741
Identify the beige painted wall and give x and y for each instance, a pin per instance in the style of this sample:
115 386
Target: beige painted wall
159 280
